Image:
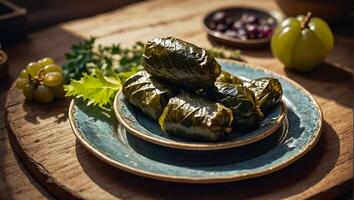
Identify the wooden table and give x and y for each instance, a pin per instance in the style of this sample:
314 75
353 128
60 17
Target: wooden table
325 172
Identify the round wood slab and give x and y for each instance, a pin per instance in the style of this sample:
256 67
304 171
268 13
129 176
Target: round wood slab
44 141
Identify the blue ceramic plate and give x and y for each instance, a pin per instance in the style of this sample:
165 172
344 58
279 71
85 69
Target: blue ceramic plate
100 133
142 126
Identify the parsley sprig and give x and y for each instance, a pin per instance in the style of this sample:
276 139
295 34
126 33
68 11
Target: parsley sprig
85 58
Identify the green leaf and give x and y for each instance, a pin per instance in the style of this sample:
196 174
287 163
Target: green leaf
96 89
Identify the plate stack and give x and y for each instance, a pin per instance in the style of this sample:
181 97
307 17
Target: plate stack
135 143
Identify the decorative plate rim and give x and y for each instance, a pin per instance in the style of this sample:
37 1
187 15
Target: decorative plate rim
156 176
197 146
205 180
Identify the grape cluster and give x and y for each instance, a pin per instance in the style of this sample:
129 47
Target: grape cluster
42 81
249 26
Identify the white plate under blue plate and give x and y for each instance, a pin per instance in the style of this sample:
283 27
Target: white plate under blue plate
100 133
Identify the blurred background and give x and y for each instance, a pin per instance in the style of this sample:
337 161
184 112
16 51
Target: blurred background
42 13
20 16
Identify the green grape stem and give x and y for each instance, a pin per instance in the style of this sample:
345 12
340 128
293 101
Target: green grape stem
305 22
39 76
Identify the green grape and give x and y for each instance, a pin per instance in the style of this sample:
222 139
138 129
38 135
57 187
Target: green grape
33 69
53 79
58 91
302 43
43 94
24 74
52 68
45 61
21 83
28 91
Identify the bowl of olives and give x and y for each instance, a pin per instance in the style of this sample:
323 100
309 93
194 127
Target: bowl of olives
241 26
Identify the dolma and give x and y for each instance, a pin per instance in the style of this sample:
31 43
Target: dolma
268 91
226 77
180 63
195 118
240 100
148 94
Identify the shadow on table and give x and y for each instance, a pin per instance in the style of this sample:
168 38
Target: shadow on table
335 83
289 181
35 112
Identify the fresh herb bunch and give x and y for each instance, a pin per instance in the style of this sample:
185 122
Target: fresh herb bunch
85 58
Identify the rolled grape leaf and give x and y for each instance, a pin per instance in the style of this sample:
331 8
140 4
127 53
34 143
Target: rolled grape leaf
240 100
180 63
195 118
226 77
268 91
149 95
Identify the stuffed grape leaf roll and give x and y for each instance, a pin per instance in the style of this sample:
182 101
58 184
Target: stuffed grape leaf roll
149 95
268 91
226 77
180 63
240 100
195 118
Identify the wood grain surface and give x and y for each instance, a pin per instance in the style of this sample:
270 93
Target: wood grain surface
42 137
15 181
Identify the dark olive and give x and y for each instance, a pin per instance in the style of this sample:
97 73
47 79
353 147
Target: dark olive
251 31
231 33
212 26
229 21
219 17
265 30
237 25
242 34
249 26
270 21
221 27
